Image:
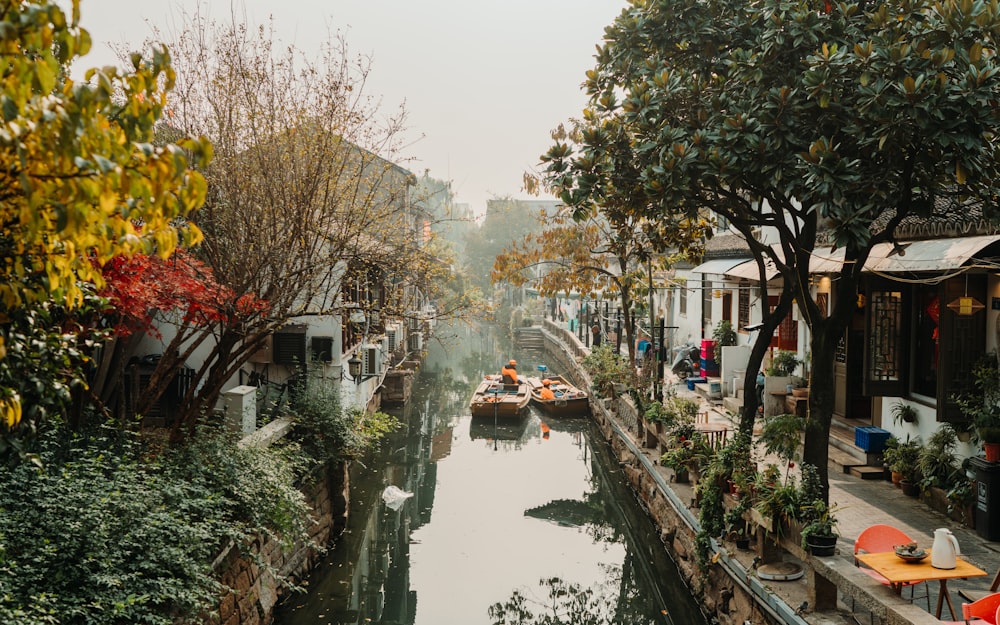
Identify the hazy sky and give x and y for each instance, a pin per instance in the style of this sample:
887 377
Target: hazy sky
483 81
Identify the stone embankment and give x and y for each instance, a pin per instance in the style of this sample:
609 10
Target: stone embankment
250 570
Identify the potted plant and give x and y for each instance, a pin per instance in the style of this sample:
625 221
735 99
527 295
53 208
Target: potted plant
779 372
889 459
737 528
658 416
903 413
783 363
800 387
982 406
819 534
724 334
688 455
961 495
776 502
937 461
904 458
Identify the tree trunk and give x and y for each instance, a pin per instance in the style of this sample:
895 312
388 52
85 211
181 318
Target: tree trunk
760 346
826 335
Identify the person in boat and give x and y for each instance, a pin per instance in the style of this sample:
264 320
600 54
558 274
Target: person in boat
509 372
546 392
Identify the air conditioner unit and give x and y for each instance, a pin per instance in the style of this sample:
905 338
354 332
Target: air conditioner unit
416 342
371 360
392 336
413 320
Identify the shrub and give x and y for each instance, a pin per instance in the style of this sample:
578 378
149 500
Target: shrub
104 535
606 368
783 363
724 334
326 431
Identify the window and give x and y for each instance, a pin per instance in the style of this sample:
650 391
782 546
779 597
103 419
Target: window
682 300
744 305
916 346
884 358
322 348
706 303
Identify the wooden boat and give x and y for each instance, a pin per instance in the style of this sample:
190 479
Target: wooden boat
569 402
504 401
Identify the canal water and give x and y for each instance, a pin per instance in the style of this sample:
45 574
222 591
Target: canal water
527 522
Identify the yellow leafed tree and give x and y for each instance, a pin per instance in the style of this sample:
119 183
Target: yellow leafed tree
82 180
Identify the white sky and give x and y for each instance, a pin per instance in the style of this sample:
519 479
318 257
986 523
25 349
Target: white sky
483 81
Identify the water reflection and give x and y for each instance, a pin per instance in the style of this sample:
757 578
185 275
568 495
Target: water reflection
509 523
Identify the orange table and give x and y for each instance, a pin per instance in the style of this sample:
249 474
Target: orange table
894 569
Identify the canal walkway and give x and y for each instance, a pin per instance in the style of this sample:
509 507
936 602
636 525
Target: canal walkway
860 504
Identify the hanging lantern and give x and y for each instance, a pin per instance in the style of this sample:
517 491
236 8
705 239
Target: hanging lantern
966 306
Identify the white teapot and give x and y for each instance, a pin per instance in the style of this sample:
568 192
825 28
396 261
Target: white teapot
944 551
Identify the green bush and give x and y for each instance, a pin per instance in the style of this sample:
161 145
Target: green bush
105 535
606 368
326 431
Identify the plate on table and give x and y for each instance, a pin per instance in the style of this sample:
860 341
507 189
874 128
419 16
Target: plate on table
910 554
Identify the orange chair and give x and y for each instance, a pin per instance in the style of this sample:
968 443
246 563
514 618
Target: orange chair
980 612
879 538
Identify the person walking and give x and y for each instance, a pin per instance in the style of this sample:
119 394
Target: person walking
595 331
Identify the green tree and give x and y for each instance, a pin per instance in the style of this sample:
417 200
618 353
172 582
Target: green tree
82 183
584 253
806 118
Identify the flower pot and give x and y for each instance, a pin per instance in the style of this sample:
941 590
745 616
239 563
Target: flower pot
800 392
992 452
682 476
910 489
822 546
743 543
897 477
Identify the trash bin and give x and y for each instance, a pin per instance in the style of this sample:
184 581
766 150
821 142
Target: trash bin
987 501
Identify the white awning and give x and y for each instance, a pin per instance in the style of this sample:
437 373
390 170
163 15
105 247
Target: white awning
927 255
748 271
718 265
923 255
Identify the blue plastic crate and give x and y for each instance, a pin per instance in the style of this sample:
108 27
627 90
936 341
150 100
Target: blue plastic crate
871 438
692 381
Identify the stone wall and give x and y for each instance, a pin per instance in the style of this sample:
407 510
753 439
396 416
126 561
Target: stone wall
255 590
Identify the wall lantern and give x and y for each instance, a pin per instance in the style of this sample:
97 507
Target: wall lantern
354 370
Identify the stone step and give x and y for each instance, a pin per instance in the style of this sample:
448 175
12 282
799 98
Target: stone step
868 473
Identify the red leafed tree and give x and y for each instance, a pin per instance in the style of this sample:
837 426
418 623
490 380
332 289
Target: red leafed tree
140 288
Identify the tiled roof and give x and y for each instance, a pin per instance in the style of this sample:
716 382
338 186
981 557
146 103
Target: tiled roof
950 218
727 245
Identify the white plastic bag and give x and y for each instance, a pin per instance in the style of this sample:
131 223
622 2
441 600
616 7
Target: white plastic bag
394 497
